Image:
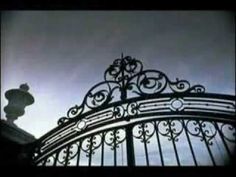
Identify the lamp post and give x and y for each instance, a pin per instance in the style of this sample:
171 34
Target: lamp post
18 100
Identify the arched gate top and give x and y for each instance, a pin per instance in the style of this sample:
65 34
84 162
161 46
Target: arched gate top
125 79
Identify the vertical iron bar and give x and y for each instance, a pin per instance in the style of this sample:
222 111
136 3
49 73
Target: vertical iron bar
190 144
67 155
44 163
129 133
174 145
90 150
159 144
55 161
208 148
145 144
122 154
78 155
130 146
223 140
115 147
102 154
123 89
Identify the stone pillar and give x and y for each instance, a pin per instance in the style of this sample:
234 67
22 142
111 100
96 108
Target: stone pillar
16 144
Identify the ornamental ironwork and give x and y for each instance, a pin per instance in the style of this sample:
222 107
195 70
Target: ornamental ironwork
141 117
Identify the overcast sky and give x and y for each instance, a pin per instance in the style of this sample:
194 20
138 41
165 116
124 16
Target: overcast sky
62 54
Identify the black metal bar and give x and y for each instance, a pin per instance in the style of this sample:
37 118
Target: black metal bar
90 151
223 140
67 155
145 144
190 144
159 144
204 109
207 146
44 162
55 160
115 161
122 154
123 89
78 155
102 153
174 145
130 146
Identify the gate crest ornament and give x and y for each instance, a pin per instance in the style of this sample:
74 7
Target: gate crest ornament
126 74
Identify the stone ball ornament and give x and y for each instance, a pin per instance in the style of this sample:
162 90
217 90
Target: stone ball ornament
18 99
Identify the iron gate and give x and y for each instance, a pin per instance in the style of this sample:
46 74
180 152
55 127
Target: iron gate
139 117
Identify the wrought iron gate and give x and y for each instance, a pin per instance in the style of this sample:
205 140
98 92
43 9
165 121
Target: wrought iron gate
139 117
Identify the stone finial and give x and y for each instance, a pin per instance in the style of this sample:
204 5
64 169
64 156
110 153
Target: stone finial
18 100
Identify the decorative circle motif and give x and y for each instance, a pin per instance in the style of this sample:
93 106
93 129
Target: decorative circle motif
150 82
144 131
114 137
90 144
81 125
122 69
132 109
119 111
177 104
228 131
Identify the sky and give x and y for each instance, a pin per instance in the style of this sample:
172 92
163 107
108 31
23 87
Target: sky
62 54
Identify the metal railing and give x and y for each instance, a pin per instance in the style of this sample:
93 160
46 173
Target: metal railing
139 117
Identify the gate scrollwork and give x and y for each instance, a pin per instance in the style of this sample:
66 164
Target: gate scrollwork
127 75
133 106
